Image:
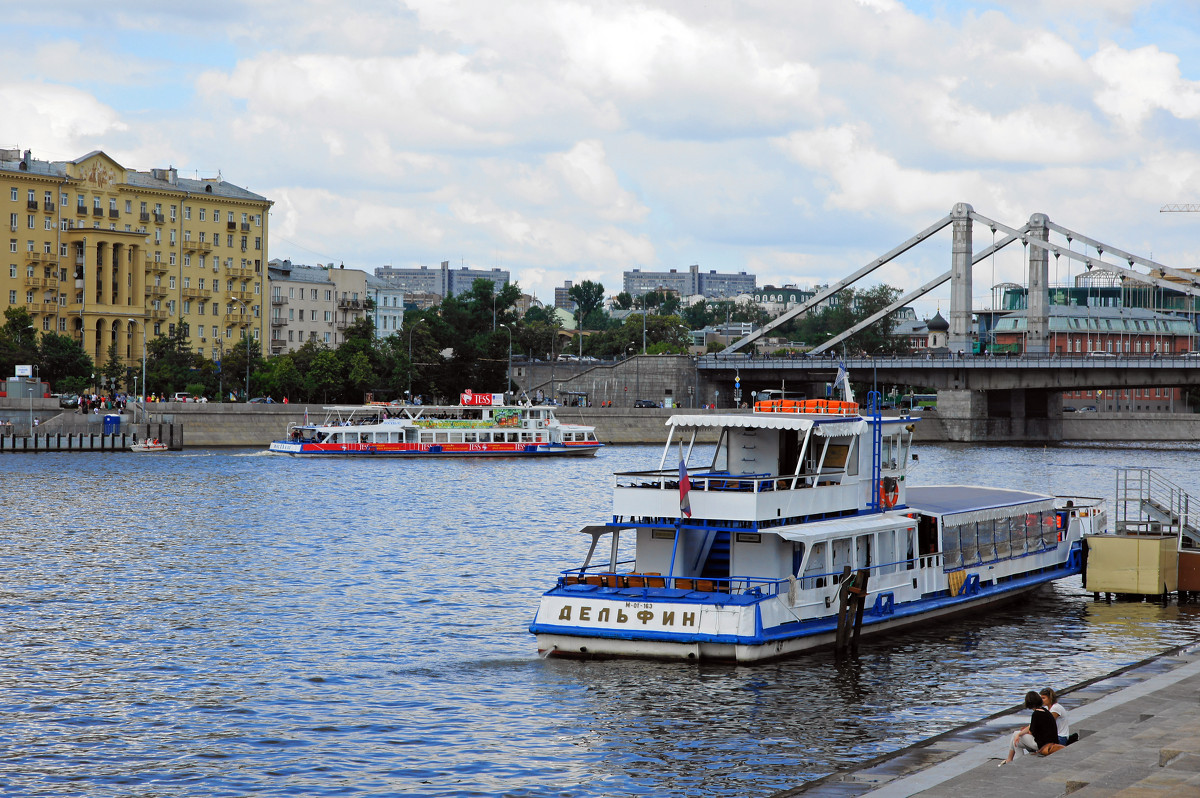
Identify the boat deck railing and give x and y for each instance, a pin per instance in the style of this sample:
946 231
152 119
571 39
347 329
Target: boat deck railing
604 576
724 480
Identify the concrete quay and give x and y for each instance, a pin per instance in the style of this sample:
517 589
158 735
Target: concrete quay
219 424
1139 737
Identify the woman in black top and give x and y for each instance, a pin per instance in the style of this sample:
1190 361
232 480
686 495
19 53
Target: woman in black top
1039 735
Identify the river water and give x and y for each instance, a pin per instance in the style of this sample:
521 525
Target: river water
231 623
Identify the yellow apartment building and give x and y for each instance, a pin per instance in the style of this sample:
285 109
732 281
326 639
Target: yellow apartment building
109 254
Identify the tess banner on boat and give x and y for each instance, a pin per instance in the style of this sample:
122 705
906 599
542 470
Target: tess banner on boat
485 399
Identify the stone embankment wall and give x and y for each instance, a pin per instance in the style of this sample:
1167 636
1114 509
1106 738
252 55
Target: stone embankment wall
257 425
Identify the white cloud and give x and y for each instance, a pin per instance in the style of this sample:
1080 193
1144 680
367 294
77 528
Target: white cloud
1139 82
54 121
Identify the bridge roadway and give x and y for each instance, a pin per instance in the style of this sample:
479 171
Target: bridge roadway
1055 372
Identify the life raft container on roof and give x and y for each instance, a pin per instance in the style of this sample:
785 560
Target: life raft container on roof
829 407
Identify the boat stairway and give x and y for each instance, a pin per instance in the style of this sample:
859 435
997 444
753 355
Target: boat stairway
1147 502
716 563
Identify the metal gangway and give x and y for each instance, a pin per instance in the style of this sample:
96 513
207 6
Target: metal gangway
1148 504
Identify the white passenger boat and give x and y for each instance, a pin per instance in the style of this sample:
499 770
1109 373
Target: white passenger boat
482 426
753 555
143 447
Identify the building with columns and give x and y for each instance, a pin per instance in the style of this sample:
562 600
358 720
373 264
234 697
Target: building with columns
111 255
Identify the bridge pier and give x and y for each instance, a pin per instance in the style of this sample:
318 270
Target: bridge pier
1021 414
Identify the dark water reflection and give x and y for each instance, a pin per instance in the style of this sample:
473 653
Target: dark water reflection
228 623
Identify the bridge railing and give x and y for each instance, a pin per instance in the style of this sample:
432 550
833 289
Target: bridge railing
946 360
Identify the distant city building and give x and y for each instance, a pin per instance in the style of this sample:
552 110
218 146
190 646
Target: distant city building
709 284
723 334
389 306
442 281
525 302
301 305
421 300
777 300
562 297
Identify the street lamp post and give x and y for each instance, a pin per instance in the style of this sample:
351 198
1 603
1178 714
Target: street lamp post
245 309
508 373
411 330
135 393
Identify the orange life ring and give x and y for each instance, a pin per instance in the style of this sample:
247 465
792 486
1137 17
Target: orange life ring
889 492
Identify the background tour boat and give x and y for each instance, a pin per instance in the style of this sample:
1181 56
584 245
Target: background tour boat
482 426
148 446
802 532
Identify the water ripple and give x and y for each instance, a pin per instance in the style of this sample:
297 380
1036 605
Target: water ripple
228 623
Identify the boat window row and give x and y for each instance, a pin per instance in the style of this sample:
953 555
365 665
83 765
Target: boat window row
478 437
579 436
892 549
986 541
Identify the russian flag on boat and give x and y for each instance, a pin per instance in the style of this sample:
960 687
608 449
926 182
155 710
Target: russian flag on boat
685 485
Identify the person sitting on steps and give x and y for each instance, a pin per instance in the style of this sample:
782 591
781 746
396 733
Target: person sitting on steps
1040 736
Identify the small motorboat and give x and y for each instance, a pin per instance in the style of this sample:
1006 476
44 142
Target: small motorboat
153 445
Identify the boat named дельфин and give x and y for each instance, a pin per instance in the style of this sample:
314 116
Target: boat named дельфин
482 426
752 556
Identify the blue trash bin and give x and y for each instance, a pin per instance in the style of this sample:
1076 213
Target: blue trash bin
112 424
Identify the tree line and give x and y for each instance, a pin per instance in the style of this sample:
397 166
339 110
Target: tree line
463 342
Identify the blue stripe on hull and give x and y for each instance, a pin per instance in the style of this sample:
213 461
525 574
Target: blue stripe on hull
909 612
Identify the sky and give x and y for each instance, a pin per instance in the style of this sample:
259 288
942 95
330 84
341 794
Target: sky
798 140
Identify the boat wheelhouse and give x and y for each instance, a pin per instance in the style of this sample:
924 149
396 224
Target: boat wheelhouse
472 429
800 507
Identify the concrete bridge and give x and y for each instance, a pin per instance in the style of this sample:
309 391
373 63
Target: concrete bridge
980 398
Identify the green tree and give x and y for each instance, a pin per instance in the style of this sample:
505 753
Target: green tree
114 369
360 376
18 340
323 378
170 363
64 364
588 296
623 300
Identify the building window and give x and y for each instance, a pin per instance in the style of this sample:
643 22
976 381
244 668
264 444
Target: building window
12 295
202 217
14 194
326 337
171 282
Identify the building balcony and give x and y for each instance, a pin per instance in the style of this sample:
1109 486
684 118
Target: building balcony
231 226
244 296
279 300
238 273
350 304
42 282
157 266
32 205
242 319
276 347
48 206
156 291
196 293
81 210
157 315
113 213
158 218
278 322
143 217
97 211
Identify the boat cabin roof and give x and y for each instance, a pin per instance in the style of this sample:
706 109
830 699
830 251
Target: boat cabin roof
972 502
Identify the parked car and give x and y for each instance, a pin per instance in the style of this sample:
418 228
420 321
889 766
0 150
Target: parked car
645 403
1068 409
68 400
262 400
1088 409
